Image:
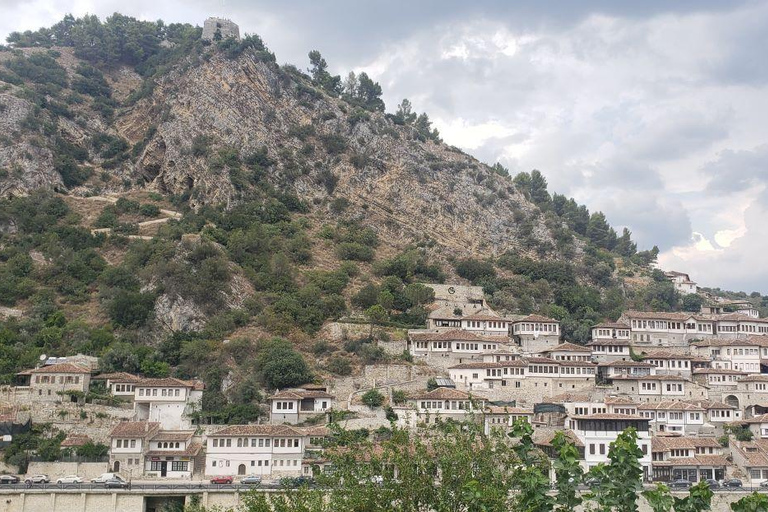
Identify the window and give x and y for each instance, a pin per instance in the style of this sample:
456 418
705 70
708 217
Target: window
591 449
602 449
179 465
119 443
133 443
229 443
215 443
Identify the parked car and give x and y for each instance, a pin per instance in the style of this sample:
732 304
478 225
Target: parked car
9 479
680 484
115 483
732 483
104 477
37 479
251 480
298 481
222 480
714 484
764 484
69 479
592 482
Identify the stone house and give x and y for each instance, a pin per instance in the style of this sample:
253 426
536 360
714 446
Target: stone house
608 350
751 457
535 334
655 388
742 355
502 418
667 329
447 348
441 404
568 352
129 443
297 405
119 384
223 27
52 383
669 363
675 416
611 331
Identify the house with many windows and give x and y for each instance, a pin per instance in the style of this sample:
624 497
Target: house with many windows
173 454
751 457
441 404
297 405
270 451
673 416
168 401
446 348
611 331
568 352
597 431
502 418
535 333
687 458
56 382
742 355
609 350
129 444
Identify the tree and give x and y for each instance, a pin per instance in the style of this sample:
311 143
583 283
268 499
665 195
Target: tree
620 480
280 365
363 92
568 473
404 114
624 245
320 75
531 473
475 270
692 303
755 502
599 232
376 315
372 398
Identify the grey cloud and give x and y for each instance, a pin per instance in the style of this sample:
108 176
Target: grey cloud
737 170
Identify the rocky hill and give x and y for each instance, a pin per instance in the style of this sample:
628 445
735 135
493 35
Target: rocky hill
162 194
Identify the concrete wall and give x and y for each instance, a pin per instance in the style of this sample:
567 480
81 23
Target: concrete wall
106 501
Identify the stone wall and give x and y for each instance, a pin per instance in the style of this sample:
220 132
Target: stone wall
398 376
54 470
226 28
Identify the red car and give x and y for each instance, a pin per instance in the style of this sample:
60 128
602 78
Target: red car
222 479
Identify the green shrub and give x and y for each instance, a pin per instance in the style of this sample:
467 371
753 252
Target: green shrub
340 365
373 398
354 251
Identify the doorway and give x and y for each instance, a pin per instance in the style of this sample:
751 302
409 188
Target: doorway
241 469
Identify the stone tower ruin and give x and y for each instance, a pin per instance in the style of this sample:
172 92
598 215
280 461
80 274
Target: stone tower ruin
225 27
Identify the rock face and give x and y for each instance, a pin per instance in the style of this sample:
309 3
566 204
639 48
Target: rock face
208 110
323 149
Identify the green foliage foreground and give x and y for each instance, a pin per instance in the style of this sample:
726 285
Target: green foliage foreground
457 467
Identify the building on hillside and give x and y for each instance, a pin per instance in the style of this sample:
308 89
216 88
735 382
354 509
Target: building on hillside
611 331
128 445
751 457
481 375
483 322
750 395
60 382
216 29
173 454
568 352
674 416
757 424
119 384
744 355
270 451
621 368
682 282
717 379
447 348
687 458
597 431
297 405
669 363
621 405
724 307
168 401
502 418
441 404
535 334
655 388
608 350
667 329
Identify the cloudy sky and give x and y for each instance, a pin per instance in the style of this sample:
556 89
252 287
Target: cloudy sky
654 112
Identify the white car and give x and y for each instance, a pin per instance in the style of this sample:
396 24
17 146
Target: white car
37 479
69 479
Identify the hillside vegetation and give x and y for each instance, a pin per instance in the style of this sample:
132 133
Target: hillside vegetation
301 201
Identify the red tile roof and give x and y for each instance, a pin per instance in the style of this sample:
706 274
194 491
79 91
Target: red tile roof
452 335
300 394
268 430
537 318
135 429
568 347
445 394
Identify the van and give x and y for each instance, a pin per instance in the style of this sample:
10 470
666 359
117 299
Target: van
106 476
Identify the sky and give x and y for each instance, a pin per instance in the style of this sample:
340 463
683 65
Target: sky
653 112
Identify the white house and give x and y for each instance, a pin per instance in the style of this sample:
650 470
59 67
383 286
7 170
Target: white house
682 282
271 451
607 350
297 405
743 355
502 417
445 348
611 331
120 384
568 352
669 363
441 404
168 401
674 416
535 333
172 454
597 431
